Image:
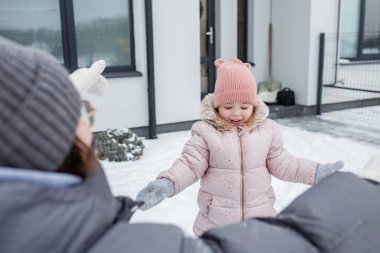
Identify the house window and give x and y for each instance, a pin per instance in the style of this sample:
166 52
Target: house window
33 23
360 30
369 30
76 32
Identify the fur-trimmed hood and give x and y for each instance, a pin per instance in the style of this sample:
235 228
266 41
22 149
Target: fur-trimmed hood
210 115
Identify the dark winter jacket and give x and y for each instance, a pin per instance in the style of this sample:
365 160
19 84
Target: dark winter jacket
340 214
35 217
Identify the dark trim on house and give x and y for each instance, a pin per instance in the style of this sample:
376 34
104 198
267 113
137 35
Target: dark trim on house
279 111
152 133
349 88
132 36
275 112
361 28
164 128
211 45
367 58
246 33
321 60
64 33
244 54
68 34
122 74
351 104
113 69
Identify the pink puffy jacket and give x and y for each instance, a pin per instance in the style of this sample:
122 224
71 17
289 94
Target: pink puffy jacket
235 165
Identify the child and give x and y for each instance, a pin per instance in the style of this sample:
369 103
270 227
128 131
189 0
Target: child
234 150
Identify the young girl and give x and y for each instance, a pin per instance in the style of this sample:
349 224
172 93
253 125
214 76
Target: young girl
234 150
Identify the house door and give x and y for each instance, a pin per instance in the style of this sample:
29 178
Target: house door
207 36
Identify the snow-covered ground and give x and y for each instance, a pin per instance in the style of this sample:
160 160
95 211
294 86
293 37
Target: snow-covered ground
127 178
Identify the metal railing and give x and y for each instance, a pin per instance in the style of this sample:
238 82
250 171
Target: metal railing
349 76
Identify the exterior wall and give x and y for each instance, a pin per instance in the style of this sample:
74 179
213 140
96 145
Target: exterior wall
177 60
226 28
126 101
296 28
177 70
291 45
295 43
258 22
324 19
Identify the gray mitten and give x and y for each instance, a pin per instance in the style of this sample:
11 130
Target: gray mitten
155 192
324 170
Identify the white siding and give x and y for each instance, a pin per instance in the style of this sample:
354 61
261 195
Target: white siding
258 23
126 102
177 60
291 37
226 28
324 19
296 28
177 70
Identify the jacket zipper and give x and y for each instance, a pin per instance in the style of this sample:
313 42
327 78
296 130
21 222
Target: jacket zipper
242 175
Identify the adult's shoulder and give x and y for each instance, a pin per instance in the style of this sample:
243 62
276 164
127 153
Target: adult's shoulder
132 237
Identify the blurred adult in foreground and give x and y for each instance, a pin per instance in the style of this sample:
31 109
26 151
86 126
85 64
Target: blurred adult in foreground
54 196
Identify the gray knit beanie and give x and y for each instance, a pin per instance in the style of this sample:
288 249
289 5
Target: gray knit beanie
39 109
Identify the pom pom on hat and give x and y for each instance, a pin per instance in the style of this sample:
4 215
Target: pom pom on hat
234 83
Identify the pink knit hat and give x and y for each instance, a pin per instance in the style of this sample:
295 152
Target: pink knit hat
234 83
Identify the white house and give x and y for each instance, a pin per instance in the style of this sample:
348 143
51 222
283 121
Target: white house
159 53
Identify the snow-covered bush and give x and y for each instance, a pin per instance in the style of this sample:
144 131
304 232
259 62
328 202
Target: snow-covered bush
118 145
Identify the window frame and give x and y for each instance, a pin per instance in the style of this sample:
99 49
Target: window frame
360 45
244 38
70 55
